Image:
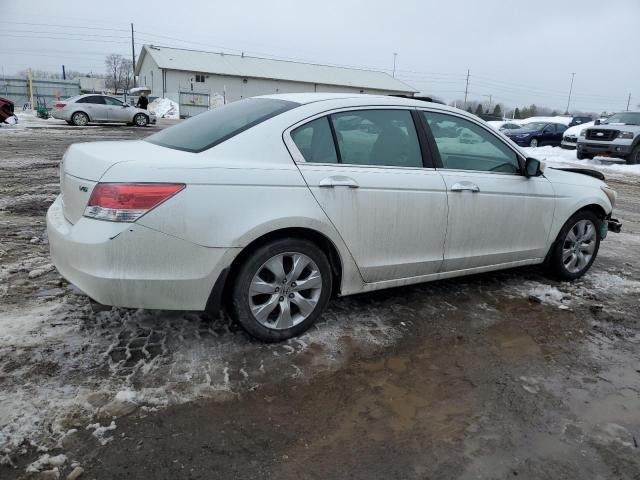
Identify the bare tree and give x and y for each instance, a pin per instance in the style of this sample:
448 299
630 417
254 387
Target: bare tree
116 72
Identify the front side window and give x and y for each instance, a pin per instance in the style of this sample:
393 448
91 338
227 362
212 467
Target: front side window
315 142
377 137
215 126
113 101
463 145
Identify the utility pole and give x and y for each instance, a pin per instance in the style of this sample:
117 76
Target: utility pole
466 90
64 74
628 102
573 74
30 76
133 56
490 97
394 64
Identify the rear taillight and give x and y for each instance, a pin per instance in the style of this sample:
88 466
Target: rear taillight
127 202
60 106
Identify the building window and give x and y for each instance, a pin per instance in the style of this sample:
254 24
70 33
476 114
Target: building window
199 78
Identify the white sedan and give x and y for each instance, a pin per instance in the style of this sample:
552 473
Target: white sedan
270 205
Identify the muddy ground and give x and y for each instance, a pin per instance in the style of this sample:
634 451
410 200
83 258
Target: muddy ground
501 375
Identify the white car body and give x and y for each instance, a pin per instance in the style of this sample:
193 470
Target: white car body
99 109
403 225
571 134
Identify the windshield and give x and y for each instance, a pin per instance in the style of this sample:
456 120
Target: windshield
211 128
534 126
628 118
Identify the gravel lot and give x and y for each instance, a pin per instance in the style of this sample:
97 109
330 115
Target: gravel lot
492 376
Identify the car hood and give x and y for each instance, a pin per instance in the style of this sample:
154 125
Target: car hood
572 176
575 130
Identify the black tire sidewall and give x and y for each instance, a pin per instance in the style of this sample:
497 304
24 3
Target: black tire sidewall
633 156
240 304
555 264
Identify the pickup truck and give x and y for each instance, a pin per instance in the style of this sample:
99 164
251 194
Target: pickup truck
616 136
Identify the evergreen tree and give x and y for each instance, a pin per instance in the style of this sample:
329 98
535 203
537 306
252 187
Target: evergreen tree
479 109
533 111
516 114
554 113
469 109
497 110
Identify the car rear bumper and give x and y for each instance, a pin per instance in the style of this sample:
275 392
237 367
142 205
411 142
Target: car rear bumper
129 265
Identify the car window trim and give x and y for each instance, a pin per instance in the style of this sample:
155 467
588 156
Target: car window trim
298 158
519 156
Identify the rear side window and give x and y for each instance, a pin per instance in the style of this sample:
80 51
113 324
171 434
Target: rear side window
315 142
377 137
214 127
97 100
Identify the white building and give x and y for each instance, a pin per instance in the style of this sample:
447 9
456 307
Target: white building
195 79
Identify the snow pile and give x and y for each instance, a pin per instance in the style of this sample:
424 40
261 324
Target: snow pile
559 157
47 460
576 129
164 108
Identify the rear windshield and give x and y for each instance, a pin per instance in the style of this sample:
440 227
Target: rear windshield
209 129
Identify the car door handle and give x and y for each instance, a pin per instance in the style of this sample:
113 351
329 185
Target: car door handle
465 187
338 181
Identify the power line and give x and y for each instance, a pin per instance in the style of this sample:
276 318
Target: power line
65 26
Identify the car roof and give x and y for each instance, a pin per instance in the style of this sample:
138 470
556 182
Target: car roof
360 99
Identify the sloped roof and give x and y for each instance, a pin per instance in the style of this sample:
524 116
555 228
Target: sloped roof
255 67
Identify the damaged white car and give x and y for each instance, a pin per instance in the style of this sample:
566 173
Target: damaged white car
271 205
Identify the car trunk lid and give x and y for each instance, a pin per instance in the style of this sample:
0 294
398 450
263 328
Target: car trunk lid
85 164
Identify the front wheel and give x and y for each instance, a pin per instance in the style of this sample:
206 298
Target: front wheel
576 246
533 143
140 120
281 289
634 156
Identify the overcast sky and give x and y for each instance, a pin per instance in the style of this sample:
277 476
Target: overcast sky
518 52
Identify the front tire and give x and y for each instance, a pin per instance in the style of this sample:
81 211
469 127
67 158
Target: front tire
634 156
281 289
576 247
583 156
140 120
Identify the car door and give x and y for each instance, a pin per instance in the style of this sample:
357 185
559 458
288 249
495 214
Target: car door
560 129
96 108
496 215
117 111
365 168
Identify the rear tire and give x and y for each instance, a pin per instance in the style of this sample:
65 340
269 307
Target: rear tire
634 156
575 248
80 119
269 298
583 156
140 120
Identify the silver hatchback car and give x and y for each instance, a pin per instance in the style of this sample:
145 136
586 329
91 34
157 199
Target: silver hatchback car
83 109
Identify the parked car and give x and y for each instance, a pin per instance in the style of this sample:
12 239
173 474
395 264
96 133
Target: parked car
6 110
616 136
275 203
84 109
580 121
571 134
537 134
504 125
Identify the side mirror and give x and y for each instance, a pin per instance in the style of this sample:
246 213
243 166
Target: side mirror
533 167
597 122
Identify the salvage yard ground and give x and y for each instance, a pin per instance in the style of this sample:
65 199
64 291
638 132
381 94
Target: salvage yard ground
490 376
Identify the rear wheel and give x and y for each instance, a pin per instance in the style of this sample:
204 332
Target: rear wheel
634 156
533 143
140 120
576 247
80 119
281 289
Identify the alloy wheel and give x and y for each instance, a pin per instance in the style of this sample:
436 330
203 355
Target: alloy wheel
579 245
80 119
141 120
285 290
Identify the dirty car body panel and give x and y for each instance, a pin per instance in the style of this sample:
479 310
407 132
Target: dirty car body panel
409 210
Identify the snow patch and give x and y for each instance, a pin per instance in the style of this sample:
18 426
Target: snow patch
100 432
560 157
47 460
164 108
